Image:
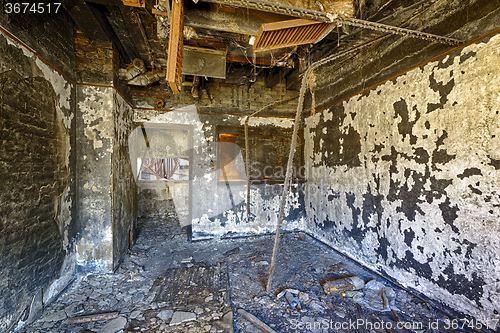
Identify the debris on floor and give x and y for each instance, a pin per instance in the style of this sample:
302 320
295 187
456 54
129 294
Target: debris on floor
339 286
377 296
169 284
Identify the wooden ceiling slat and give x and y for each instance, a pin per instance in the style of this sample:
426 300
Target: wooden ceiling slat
289 33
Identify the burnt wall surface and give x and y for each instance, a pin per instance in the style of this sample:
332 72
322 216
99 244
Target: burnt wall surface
105 182
217 207
106 185
51 35
95 138
124 191
404 178
37 169
393 54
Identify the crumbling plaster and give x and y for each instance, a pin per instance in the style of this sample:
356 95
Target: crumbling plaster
218 208
404 178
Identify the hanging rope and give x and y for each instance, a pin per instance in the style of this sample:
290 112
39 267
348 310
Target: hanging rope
293 147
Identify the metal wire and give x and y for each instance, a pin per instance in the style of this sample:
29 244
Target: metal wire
334 18
293 146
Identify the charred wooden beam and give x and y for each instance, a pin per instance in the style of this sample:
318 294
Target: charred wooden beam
134 33
118 22
85 19
175 47
242 21
98 12
277 75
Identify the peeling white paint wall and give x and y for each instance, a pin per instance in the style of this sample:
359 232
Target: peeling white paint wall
406 179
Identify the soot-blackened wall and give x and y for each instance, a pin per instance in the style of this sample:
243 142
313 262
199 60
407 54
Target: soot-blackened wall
219 208
404 178
37 168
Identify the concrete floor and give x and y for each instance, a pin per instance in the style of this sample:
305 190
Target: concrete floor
169 284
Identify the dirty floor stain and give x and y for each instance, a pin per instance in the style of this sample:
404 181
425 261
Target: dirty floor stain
169 284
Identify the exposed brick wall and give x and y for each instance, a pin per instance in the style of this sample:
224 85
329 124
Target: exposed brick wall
50 35
36 162
94 60
34 175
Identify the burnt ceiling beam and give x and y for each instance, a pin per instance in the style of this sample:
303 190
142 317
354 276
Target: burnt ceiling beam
277 8
136 33
85 19
277 75
118 23
333 18
230 19
98 12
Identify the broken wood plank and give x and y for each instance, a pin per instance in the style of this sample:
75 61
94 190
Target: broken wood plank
175 47
93 317
159 12
256 321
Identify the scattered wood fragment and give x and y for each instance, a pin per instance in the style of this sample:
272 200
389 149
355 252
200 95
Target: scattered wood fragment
256 321
124 278
93 317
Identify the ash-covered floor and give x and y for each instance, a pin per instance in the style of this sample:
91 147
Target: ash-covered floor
169 284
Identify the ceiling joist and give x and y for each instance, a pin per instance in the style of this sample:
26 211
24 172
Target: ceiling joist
175 47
